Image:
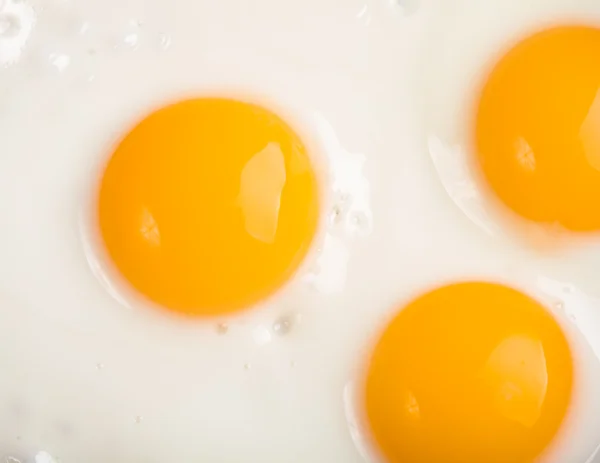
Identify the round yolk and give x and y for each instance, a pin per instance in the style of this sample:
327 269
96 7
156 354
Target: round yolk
469 373
538 128
208 206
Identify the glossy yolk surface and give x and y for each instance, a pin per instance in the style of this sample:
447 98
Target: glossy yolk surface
468 373
208 206
538 128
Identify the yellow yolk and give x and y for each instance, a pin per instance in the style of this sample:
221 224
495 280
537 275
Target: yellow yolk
208 206
537 128
469 373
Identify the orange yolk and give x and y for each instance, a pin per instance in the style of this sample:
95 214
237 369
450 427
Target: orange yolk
469 373
208 206
537 128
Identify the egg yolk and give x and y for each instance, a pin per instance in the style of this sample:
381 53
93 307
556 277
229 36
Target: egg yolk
468 373
537 128
208 206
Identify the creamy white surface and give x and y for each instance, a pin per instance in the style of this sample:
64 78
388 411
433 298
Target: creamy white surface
87 377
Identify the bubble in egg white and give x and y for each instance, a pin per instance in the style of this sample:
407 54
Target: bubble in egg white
60 61
44 457
222 328
405 6
131 40
262 335
283 325
165 41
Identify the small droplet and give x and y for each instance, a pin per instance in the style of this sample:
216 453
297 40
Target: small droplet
406 6
131 40
283 325
359 222
44 457
336 215
261 335
293 363
138 419
60 61
91 51
165 41
99 366
247 366
9 25
84 28
91 78
222 328
559 305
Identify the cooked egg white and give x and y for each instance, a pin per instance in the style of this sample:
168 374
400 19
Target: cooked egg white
94 370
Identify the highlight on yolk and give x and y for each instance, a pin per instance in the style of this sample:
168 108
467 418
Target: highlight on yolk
469 373
208 205
537 128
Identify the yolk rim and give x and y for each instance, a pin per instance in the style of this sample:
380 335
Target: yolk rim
537 128
469 373
208 206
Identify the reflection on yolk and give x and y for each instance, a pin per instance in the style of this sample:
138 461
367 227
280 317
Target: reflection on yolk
469 373
538 128
208 205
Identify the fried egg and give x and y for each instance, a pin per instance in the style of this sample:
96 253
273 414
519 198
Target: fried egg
224 241
508 109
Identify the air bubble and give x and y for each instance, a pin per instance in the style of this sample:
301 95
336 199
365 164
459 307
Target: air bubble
222 328
405 6
99 366
165 41
359 222
84 28
139 419
44 457
131 40
559 305
283 325
335 215
261 335
60 61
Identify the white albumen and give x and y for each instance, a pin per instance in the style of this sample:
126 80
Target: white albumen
85 378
